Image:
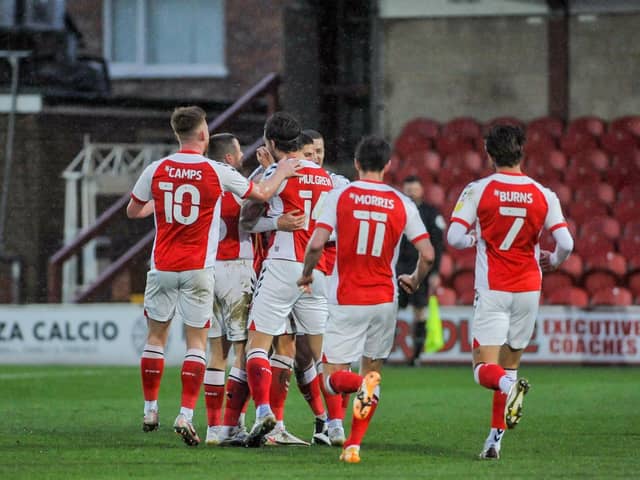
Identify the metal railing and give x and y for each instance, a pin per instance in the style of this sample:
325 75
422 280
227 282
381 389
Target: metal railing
266 87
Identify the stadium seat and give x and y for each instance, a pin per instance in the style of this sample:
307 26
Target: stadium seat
573 266
574 296
446 296
552 281
629 193
539 141
446 267
580 175
580 212
422 127
426 159
605 226
633 262
576 141
452 142
631 229
627 210
463 126
607 261
633 283
406 144
618 142
629 246
454 175
434 195
464 259
563 191
469 160
412 170
599 279
629 124
466 298
551 125
589 124
602 191
612 296
595 245
593 158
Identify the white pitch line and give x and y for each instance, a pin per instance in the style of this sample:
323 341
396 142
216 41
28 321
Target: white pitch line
48 374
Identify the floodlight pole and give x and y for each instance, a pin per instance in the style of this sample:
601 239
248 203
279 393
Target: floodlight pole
13 57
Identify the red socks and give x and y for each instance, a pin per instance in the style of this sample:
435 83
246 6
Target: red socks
359 426
259 376
214 395
333 401
237 394
309 386
344 381
193 369
497 411
281 367
151 368
488 375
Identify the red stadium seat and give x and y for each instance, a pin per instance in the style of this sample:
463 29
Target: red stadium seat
551 125
470 160
612 296
426 159
603 192
406 144
446 296
618 141
631 229
552 281
446 267
607 261
464 259
629 193
574 296
595 245
434 195
452 142
627 210
563 191
633 261
454 175
463 126
594 158
463 280
629 246
629 124
466 298
422 127
590 124
580 212
580 175
607 227
576 141
597 280
572 266
540 141
633 282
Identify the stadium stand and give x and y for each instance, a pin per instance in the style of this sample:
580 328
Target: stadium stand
594 168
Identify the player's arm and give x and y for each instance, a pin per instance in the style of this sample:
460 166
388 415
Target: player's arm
458 237
286 222
139 209
312 256
549 261
264 190
410 283
463 217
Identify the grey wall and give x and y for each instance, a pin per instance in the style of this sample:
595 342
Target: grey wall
604 67
447 67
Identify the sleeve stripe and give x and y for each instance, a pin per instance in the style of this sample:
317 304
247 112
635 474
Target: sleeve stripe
558 225
420 237
326 226
246 194
459 220
137 200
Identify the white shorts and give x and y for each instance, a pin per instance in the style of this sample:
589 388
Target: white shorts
354 331
234 280
504 317
188 295
277 295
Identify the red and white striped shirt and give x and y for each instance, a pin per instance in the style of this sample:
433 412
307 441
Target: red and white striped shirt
186 188
508 212
369 219
235 243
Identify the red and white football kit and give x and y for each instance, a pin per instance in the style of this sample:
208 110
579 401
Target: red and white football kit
369 219
186 188
234 274
277 295
508 213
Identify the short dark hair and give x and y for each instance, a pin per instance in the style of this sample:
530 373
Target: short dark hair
412 179
221 144
373 153
185 120
283 129
304 139
505 145
314 134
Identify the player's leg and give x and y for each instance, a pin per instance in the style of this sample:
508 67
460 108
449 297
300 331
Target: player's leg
308 381
151 370
161 291
237 396
419 300
214 383
195 307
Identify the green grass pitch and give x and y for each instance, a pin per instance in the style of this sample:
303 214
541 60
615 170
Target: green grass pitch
85 423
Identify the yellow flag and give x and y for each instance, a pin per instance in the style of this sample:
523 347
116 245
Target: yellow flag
435 338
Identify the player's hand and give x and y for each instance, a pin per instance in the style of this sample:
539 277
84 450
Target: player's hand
545 261
408 283
288 222
304 283
264 157
289 167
